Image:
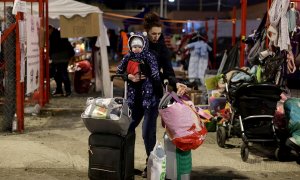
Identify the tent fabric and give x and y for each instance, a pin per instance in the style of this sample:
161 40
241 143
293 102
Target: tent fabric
69 8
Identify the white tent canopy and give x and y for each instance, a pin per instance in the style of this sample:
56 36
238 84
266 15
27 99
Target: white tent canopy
69 8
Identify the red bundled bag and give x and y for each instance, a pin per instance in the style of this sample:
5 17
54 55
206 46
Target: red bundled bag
192 141
133 67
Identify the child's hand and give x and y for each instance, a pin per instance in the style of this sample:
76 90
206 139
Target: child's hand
136 78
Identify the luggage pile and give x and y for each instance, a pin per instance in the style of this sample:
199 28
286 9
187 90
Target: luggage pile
111 145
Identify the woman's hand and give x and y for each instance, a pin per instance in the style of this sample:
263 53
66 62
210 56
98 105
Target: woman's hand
181 89
136 78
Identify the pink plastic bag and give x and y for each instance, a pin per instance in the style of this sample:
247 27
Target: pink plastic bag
183 124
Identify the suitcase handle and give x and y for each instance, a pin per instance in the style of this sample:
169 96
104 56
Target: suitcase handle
123 76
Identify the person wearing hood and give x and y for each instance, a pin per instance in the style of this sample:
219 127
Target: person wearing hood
144 89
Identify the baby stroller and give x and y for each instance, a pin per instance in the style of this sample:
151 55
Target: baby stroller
229 127
252 110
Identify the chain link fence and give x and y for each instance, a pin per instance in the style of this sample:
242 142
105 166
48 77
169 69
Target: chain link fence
8 75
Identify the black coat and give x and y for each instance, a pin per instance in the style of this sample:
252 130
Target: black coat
60 49
163 57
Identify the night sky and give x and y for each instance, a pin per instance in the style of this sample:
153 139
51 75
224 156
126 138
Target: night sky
207 5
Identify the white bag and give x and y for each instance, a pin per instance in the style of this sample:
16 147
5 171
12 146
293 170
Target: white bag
156 165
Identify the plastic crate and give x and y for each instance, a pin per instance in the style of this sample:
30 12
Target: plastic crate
211 126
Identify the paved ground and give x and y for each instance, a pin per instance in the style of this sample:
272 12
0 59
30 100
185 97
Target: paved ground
54 146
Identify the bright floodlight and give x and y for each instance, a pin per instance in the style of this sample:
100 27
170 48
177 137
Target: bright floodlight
171 1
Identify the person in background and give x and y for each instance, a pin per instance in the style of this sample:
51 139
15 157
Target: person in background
60 51
198 59
113 40
153 27
123 44
177 50
293 16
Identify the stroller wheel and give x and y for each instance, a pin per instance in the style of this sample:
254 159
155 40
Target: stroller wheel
281 154
221 136
298 161
244 152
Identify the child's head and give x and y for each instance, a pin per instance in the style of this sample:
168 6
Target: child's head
137 42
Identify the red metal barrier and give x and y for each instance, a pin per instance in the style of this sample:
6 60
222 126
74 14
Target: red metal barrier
20 90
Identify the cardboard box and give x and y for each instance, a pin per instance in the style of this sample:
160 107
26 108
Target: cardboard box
195 96
78 26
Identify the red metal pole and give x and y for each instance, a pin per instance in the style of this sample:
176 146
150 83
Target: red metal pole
21 129
215 42
19 85
233 26
206 29
243 31
41 86
47 93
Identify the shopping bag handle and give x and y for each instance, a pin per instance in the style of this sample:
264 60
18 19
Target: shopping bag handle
175 96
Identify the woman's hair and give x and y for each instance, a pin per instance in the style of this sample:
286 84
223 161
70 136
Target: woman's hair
151 20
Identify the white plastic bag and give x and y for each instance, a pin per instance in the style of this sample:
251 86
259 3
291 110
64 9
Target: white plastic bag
156 165
103 108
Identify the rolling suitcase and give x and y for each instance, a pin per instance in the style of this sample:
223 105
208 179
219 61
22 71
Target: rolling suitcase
111 156
111 145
